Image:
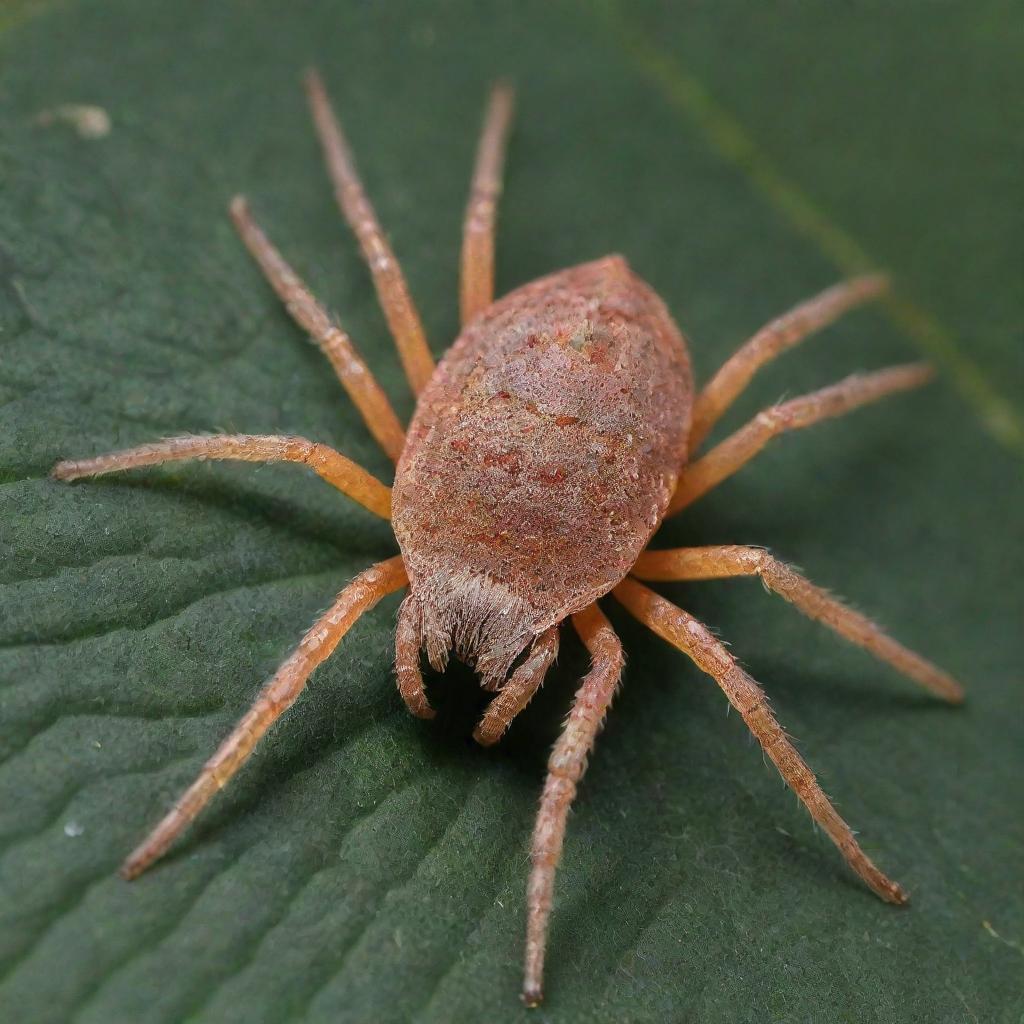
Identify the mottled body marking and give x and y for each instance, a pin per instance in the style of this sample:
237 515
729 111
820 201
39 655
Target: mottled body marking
541 459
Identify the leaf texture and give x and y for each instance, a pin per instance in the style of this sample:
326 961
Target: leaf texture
369 867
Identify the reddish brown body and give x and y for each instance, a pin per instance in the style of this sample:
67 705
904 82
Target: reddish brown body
541 458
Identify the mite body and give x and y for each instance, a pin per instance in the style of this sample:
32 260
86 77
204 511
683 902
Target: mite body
539 462
545 450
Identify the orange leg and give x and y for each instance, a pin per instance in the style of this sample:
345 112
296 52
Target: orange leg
738 449
408 642
566 766
355 376
392 291
771 341
732 560
518 690
275 698
477 285
338 471
694 639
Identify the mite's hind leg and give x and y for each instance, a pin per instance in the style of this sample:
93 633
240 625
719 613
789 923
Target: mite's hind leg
392 291
710 563
340 472
477 264
566 766
519 689
694 639
355 376
275 698
738 449
771 341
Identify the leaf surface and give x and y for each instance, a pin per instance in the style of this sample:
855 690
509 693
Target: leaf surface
366 866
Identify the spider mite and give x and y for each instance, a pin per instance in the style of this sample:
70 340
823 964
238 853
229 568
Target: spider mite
546 448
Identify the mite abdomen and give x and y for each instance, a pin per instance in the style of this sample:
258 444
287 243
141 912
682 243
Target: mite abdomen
541 457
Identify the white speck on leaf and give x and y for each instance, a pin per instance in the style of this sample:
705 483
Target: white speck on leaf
90 122
73 829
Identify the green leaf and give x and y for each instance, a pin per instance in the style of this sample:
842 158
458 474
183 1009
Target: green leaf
369 867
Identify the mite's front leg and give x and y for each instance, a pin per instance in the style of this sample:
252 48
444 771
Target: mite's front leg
353 373
392 291
518 691
476 288
771 341
694 639
726 560
274 699
566 766
339 471
408 641
836 400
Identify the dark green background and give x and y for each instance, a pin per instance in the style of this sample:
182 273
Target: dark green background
369 867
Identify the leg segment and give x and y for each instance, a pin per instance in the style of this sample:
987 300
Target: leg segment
736 450
566 766
408 644
477 291
710 655
732 560
518 691
354 374
275 698
392 291
772 340
338 471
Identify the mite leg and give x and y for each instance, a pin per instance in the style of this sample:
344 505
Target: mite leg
771 341
354 374
408 643
477 285
338 471
274 699
738 449
732 560
392 291
694 639
566 766
518 691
